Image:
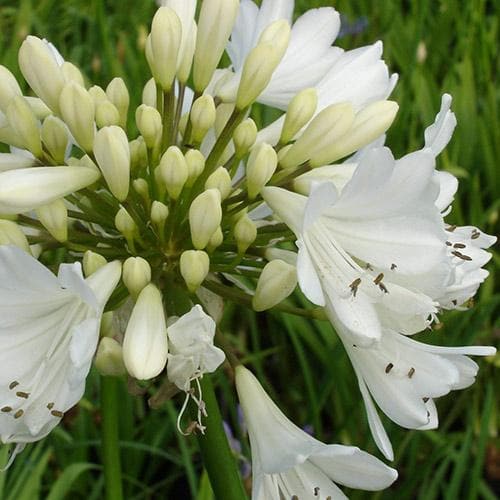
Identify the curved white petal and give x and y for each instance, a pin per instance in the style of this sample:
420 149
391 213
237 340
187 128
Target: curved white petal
438 135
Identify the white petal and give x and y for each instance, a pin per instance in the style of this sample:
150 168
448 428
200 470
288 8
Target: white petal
10 161
322 195
439 133
288 206
448 185
307 277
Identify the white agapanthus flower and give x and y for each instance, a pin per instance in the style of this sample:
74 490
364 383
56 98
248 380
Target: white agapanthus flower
289 463
49 327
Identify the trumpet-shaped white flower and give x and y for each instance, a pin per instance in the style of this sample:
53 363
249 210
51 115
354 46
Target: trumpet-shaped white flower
289 463
49 328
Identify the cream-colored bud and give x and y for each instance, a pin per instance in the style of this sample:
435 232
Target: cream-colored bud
113 157
244 137
136 274
195 163
273 253
300 110
92 261
165 39
205 215
369 123
107 328
149 93
54 218
148 122
9 88
12 234
276 282
106 114
77 110
55 138
98 95
41 70
125 224
194 267
323 131
117 93
183 123
223 113
245 232
216 240
261 166
202 117
221 180
282 153
159 213
141 187
10 161
38 107
261 62
145 344
109 358
71 73
138 153
173 171
24 124
185 60
215 24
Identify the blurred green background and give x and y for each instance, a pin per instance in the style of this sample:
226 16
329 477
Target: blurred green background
436 46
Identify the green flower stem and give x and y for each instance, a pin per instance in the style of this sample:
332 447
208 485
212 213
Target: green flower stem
217 456
110 445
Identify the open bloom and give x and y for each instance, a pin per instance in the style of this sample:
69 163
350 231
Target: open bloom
49 327
289 463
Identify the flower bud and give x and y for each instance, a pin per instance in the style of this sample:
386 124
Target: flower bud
216 240
276 282
106 114
145 344
136 274
215 24
109 358
54 218
245 232
260 168
125 224
141 187
10 161
12 234
205 215
185 58
113 157
149 93
117 93
148 121
202 117
173 171
98 95
9 88
300 110
165 39
55 138
323 131
41 70
194 267
92 262
138 153
273 253
195 162
72 73
107 328
244 137
77 110
24 125
221 180
159 213
38 107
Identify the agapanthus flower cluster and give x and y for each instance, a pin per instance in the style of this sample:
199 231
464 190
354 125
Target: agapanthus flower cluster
159 212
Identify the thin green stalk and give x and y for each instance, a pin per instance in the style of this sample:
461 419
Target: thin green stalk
110 444
217 456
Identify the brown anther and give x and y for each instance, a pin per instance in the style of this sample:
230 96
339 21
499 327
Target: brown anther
368 266
428 413
295 497
57 413
354 286
411 372
383 288
454 302
475 234
21 394
379 278
462 256
316 491
459 245
451 228
6 409
425 400
13 384
393 266
449 243
50 406
389 367
18 414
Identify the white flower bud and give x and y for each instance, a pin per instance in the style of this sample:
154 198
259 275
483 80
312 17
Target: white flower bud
54 218
145 344
173 171
138 153
125 224
92 262
221 180
159 213
136 274
9 88
244 137
195 162
12 234
205 215
276 282
117 93
107 328
55 138
273 253
77 110
106 114
223 113
109 358
215 24
98 95
165 39
113 157
194 267
185 59
260 168
141 187
245 232
41 70
148 122
300 110
38 107
216 240
24 125
10 161
202 117
149 93
71 73
28 188
323 131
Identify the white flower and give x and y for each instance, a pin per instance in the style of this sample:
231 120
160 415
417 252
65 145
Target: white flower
49 328
289 463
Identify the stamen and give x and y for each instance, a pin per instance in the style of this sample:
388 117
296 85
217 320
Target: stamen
475 234
13 384
411 372
368 266
449 243
451 228
393 266
18 414
454 302
389 367
459 245
50 406
295 497
425 400
316 491
21 394
57 413
383 288
379 278
354 286
462 256
6 409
